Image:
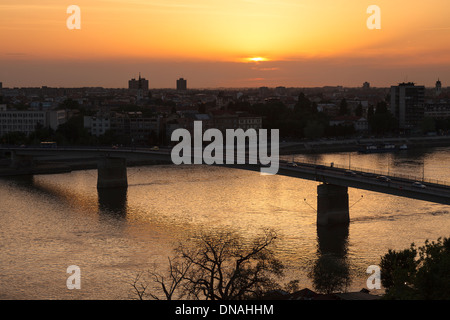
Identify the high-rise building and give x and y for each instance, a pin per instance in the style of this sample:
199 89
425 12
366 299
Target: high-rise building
263 92
408 104
280 91
138 87
181 84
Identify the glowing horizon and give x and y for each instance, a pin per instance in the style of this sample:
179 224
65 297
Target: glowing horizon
260 35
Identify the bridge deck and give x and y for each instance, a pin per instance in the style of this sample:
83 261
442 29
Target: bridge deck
398 186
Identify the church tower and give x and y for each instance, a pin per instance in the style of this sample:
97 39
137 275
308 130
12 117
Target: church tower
140 94
438 87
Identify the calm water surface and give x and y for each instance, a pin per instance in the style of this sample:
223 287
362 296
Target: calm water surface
50 222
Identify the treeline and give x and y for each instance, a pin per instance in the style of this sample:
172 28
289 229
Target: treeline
70 133
305 121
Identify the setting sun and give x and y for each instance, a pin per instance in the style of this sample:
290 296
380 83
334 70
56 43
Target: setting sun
257 59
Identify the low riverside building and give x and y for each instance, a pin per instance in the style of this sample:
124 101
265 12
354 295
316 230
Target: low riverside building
134 127
26 121
223 120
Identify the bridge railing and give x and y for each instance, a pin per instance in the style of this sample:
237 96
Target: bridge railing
379 173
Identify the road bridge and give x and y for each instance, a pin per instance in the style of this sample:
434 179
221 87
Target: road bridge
332 191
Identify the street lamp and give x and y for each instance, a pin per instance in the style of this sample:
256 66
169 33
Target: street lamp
423 170
349 161
389 164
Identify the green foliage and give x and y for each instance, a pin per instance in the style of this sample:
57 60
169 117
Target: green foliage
73 133
359 110
343 108
301 121
421 273
381 121
433 276
442 125
314 129
69 104
398 267
14 138
428 125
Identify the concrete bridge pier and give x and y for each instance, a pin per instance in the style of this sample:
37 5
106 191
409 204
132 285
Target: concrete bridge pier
332 205
112 173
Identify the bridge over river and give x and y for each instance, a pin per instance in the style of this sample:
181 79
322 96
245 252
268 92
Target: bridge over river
332 191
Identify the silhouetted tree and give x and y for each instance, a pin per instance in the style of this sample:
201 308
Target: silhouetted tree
381 108
428 124
73 132
359 110
202 108
314 129
343 107
398 269
304 105
215 267
381 121
418 273
70 104
370 112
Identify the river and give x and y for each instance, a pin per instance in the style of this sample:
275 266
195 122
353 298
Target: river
50 222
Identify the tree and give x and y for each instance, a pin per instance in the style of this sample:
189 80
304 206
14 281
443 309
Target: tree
381 108
73 132
304 105
428 124
433 277
359 110
343 107
41 133
216 267
165 287
202 108
418 273
313 129
381 121
398 269
370 112
70 104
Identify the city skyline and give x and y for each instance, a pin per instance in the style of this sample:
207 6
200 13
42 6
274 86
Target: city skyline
240 43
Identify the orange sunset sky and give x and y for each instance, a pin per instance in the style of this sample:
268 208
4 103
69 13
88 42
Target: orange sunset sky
297 43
